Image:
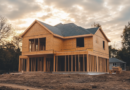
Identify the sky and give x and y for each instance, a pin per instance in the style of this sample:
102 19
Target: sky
113 15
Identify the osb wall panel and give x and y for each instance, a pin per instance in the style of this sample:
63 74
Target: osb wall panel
36 29
70 44
98 39
25 45
57 44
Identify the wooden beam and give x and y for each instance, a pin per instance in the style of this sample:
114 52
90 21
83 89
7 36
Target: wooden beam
71 63
19 67
75 62
78 63
87 63
44 63
68 64
27 65
65 62
107 65
38 44
97 63
54 63
83 63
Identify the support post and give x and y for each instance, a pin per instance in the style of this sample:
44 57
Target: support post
87 63
27 69
78 63
38 44
65 62
45 64
71 63
75 62
54 63
68 64
19 65
83 63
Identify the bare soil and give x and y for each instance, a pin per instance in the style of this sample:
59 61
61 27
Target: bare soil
49 81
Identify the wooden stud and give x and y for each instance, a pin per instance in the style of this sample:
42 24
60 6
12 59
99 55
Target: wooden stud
27 65
54 63
78 63
68 64
19 67
87 63
75 63
44 63
83 63
65 62
71 63
97 64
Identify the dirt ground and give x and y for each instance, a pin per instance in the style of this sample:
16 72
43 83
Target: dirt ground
49 81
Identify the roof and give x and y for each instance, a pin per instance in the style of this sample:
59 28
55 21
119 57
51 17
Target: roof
69 29
66 31
113 60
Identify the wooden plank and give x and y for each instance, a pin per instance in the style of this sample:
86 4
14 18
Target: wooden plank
54 63
68 64
78 63
87 63
65 62
97 63
44 63
27 66
83 63
19 67
75 62
71 63
107 65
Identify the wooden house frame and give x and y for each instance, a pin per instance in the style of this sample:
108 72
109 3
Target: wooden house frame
45 49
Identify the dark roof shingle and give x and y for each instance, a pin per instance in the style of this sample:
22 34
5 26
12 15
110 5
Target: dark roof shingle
69 29
113 60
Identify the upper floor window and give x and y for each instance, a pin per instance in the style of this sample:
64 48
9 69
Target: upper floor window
79 42
104 45
37 44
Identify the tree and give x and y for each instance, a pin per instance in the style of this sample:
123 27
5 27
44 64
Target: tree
94 25
5 28
112 52
16 41
124 53
126 38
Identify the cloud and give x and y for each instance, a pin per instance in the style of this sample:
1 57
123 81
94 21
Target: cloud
15 9
113 15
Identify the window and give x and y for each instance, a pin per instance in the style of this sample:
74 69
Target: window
31 45
42 43
37 44
104 45
80 42
114 64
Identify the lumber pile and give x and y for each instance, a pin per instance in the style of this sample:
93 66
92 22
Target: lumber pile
116 70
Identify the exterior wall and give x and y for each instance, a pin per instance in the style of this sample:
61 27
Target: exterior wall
70 44
36 31
57 44
98 39
92 53
117 64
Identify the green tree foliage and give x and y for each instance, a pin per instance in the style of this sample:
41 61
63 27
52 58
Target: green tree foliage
9 57
124 53
112 52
